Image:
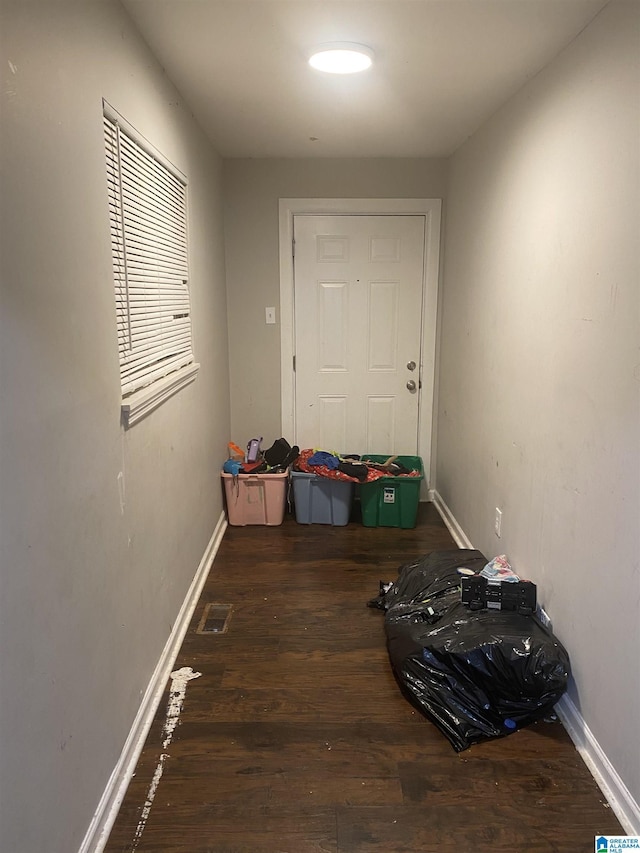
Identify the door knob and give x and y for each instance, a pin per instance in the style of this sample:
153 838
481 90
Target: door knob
411 365
411 385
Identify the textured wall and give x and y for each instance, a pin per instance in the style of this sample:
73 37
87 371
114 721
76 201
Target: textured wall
539 403
92 576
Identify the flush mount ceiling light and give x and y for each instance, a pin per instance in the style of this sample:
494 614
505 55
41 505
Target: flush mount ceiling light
341 58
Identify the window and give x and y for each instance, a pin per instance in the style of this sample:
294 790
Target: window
148 215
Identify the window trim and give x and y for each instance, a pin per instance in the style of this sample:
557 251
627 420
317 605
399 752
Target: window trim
141 401
113 115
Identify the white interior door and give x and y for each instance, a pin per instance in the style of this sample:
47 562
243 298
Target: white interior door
358 283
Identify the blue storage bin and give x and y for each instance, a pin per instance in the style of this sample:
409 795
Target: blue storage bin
319 500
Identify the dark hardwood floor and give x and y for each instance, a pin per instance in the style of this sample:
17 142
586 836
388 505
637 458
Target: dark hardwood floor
296 738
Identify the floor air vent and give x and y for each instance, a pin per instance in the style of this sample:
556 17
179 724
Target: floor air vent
215 619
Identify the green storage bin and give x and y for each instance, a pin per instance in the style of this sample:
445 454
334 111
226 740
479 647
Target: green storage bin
392 501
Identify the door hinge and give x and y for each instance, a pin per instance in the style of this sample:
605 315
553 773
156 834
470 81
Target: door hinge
294 364
293 247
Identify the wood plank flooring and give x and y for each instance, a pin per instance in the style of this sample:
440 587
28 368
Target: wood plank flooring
296 738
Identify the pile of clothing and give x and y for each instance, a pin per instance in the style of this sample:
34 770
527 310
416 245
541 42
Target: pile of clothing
275 460
351 468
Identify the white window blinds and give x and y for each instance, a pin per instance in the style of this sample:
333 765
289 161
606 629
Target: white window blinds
147 208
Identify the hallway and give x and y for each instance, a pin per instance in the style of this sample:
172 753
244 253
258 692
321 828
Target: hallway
296 738
104 528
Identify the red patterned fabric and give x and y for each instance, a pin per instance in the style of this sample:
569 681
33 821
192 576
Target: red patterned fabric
302 464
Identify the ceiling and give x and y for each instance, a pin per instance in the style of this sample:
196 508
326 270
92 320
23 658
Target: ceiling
442 68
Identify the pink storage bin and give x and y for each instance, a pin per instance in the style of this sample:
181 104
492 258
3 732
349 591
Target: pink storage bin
255 498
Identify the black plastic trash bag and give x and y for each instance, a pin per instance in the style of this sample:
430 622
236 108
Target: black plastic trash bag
475 674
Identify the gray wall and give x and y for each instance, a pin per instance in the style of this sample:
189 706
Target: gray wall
89 590
252 189
539 400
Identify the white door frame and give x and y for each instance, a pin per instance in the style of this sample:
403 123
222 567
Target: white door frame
431 209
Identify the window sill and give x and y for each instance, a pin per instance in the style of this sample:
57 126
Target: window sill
140 403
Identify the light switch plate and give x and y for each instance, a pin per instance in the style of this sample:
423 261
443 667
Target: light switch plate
270 316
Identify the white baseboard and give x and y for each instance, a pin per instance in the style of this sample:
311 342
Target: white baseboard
459 536
111 800
625 808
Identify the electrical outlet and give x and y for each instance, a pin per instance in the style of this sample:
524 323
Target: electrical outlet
497 524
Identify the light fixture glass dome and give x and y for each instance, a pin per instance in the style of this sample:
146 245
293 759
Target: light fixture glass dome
341 58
